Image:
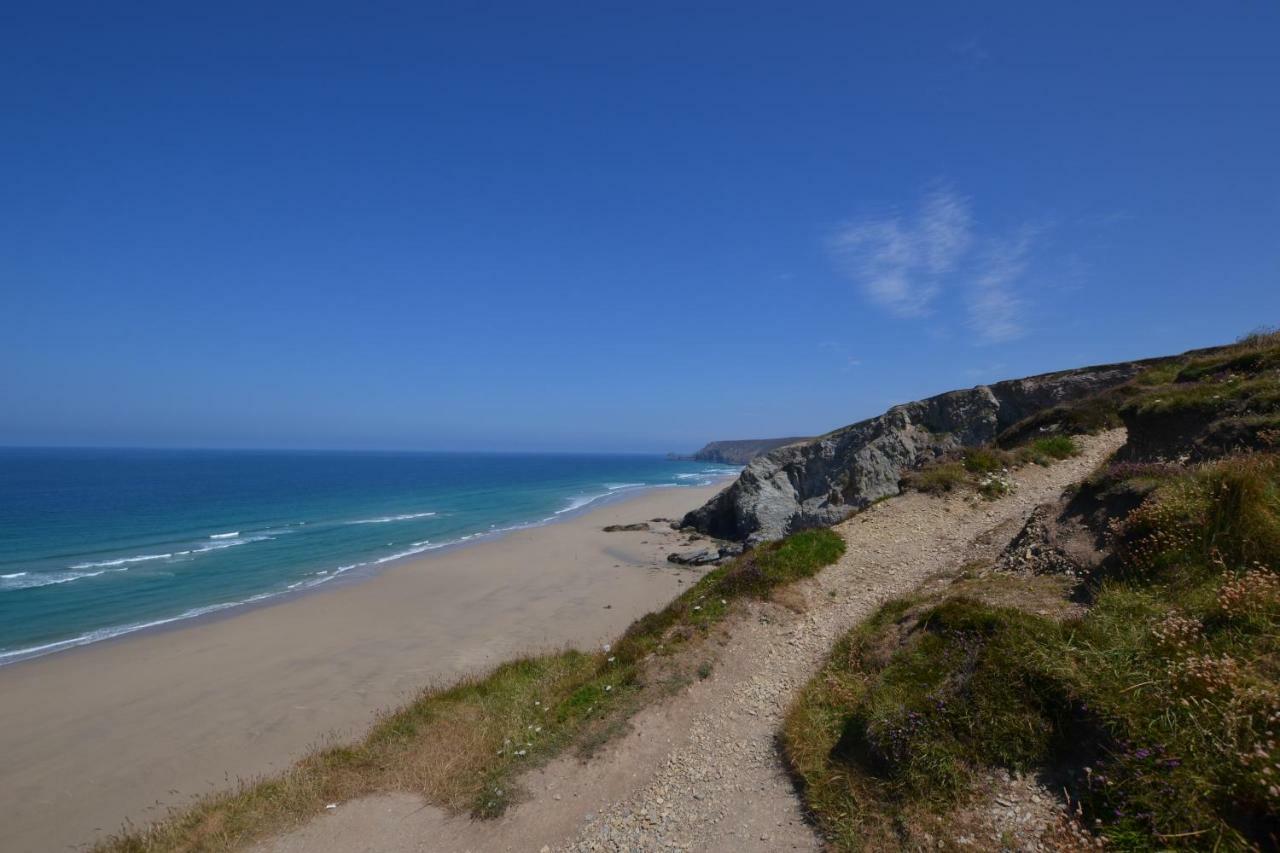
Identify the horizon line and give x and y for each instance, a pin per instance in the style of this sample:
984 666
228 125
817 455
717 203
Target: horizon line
225 449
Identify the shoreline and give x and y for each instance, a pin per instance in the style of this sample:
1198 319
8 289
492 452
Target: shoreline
355 574
127 727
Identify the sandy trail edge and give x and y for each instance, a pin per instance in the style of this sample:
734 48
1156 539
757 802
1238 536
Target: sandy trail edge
127 728
701 770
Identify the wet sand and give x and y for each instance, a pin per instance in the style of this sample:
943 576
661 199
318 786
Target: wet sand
128 727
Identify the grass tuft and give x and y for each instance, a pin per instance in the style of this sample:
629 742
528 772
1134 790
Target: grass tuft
937 479
1055 447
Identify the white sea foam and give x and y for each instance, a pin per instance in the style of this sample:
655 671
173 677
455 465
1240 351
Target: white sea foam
613 487
230 535
418 549
706 473
123 561
169 555
389 518
27 580
578 503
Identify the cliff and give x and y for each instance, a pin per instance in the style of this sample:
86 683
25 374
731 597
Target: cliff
820 481
741 451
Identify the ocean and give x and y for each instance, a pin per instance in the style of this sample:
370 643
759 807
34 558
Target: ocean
96 543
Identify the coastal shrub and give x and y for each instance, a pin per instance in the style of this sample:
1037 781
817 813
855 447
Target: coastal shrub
1253 353
984 460
1158 709
936 479
463 747
1230 395
1161 374
1055 447
1229 510
1185 704
993 487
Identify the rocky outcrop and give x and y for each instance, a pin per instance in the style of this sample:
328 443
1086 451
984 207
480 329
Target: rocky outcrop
741 451
821 481
705 554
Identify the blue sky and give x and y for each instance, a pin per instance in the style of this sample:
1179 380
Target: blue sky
599 226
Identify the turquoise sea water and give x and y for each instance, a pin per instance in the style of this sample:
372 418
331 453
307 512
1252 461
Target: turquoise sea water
96 543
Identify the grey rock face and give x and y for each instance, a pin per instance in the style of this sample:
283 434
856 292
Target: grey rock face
819 482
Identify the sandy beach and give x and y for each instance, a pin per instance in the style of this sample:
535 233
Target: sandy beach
127 728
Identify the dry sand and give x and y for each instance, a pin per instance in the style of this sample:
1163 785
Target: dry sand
126 728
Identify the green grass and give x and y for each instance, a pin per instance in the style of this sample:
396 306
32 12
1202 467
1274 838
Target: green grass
776 563
756 573
1232 394
936 479
464 747
984 460
981 469
1055 447
1160 707
909 704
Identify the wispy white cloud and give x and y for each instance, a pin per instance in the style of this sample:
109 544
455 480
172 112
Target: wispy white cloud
905 265
900 262
995 307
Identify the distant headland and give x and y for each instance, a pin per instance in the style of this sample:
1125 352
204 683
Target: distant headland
738 452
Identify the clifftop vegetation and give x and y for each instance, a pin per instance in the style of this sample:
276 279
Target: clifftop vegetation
1154 704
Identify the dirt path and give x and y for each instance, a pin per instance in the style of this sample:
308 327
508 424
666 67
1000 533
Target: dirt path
701 771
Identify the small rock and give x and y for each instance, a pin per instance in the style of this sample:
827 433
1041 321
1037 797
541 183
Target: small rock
694 556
